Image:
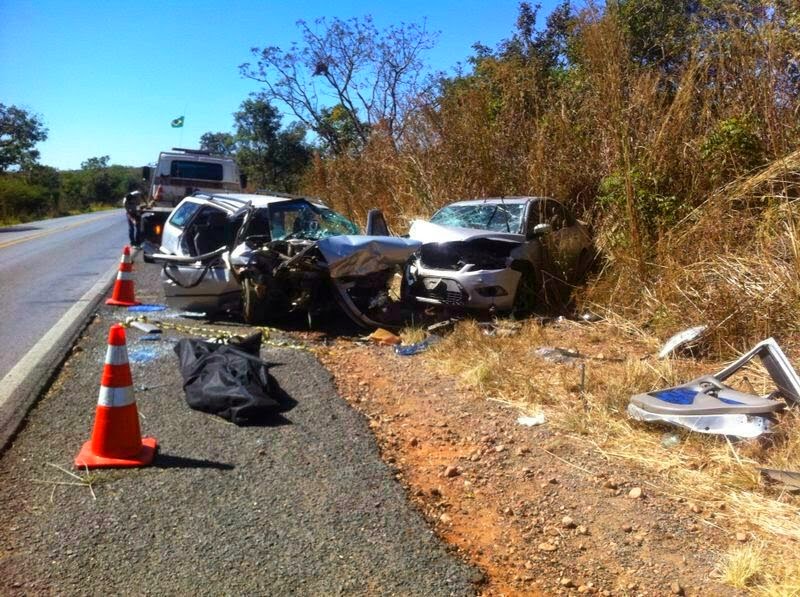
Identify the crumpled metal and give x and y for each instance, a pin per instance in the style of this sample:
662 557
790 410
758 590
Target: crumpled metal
357 255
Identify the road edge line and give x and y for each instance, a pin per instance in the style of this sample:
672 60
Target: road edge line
22 385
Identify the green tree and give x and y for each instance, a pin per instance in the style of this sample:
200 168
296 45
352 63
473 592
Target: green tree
218 143
272 157
20 131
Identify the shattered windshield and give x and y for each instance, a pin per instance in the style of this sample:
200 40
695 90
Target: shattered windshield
497 217
300 219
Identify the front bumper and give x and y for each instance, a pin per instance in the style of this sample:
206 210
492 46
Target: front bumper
479 289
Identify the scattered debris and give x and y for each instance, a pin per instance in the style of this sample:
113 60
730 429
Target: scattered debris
682 341
776 364
382 336
635 493
531 421
150 337
412 349
142 355
502 328
670 440
442 325
706 405
147 328
558 355
590 317
147 308
789 480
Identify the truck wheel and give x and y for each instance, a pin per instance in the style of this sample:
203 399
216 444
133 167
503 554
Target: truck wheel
249 301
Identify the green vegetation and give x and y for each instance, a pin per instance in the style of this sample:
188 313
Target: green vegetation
30 191
271 157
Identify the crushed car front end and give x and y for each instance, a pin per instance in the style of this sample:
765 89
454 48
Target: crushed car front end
463 268
471 274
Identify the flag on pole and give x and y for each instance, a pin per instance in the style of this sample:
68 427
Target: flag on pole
177 123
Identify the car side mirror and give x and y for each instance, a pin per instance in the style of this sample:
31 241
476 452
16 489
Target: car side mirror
539 230
146 173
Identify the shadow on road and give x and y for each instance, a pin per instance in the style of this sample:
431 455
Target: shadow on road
166 461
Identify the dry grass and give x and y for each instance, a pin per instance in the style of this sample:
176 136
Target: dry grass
707 470
690 176
741 566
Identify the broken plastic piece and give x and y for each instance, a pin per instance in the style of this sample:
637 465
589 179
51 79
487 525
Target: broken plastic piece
681 340
704 396
382 336
670 440
708 406
412 349
740 425
147 308
532 421
776 364
558 355
147 328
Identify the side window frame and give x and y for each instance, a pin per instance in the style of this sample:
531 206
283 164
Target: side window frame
193 211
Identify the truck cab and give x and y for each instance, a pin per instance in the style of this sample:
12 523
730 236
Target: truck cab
181 173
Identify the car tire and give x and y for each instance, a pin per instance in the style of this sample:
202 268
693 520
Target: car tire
250 302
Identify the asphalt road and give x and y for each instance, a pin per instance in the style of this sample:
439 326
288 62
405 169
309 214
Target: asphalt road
45 267
301 506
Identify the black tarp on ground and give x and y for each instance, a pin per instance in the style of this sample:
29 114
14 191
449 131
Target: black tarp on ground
228 380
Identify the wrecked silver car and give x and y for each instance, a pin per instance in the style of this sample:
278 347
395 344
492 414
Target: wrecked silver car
504 254
270 255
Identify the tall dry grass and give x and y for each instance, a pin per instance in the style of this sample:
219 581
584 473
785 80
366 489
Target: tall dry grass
688 173
688 168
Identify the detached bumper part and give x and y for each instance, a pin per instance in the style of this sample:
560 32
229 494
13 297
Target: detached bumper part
707 405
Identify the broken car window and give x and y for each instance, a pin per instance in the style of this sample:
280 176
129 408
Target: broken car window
495 216
299 219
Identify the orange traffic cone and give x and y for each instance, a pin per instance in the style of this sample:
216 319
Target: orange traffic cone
116 439
123 287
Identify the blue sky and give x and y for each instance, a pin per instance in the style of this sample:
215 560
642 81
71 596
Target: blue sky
108 77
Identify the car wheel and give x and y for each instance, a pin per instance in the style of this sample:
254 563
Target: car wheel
525 298
249 301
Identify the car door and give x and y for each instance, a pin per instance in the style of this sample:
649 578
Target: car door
175 225
562 244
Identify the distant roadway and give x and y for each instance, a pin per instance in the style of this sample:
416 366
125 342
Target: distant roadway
45 267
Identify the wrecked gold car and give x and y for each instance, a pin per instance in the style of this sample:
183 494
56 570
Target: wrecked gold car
498 254
269 255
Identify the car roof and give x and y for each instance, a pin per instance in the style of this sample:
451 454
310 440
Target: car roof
236 201
507 200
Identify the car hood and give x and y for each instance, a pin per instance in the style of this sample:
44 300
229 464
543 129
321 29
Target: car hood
359 255
428 232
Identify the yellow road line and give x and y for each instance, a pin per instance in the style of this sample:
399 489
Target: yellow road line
49 231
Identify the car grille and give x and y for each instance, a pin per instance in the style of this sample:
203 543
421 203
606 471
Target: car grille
448 292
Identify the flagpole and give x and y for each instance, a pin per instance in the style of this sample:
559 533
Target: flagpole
180 143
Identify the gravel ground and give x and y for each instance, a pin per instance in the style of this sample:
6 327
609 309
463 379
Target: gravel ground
304 506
